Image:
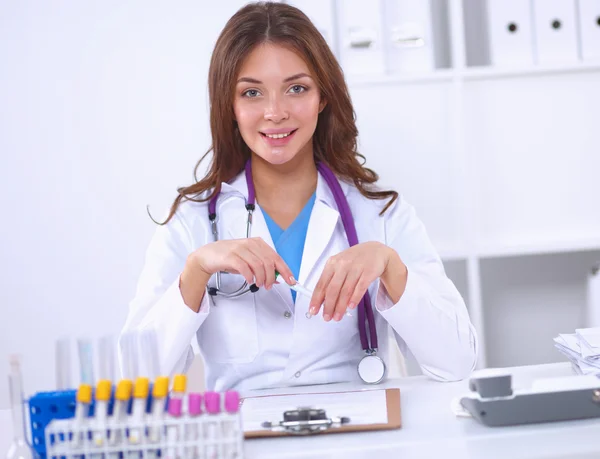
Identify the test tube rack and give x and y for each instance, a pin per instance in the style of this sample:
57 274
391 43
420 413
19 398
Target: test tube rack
56 436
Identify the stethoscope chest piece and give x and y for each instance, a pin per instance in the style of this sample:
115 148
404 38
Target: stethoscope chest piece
371 368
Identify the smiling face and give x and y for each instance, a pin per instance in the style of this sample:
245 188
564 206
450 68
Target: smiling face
276 104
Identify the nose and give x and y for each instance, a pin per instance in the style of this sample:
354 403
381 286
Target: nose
276 111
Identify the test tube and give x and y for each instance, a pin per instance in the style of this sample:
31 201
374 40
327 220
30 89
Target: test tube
149 350
103 390
106 351
160 391
129 356
138 412
82 411
84 392
230 426
106 361
175 405
19 449
193 433
212 403
62 363
86 360
122 396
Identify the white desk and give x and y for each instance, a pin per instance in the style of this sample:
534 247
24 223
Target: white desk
430 429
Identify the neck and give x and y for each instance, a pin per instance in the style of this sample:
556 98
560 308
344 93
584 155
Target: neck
283 190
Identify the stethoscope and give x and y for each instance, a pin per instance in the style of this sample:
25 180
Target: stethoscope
371 367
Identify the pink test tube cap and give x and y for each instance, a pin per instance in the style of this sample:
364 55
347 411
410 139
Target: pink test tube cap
195 404
175 406
212 402
232 401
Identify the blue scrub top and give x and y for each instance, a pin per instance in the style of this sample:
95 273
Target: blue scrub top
289 244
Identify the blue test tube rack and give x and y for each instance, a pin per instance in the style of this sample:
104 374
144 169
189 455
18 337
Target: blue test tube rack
45 407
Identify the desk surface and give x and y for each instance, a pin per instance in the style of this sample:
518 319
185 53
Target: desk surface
430 429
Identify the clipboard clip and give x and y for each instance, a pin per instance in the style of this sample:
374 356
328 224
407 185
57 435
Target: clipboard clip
305 421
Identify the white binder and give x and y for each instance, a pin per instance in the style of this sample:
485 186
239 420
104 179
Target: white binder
408 36
555 31
510 32
589 29
360 37
593 297
321 13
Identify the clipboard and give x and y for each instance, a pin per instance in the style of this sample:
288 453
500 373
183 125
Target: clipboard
382 405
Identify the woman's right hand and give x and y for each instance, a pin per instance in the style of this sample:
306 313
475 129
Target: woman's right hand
252 258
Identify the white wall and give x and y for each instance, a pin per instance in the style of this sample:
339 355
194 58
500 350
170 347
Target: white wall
103 110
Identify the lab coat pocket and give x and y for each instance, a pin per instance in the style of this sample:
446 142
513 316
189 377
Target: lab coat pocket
229 333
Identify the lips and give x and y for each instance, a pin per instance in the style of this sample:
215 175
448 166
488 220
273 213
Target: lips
281 141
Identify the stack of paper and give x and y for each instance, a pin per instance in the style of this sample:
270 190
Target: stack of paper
582 348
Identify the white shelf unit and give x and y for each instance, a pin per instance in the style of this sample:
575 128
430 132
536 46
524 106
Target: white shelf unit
502 166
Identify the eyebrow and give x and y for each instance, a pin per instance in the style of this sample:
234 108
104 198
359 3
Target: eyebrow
287 80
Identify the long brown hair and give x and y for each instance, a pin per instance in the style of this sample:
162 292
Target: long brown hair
334 140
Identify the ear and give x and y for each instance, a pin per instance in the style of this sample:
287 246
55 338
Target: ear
322 105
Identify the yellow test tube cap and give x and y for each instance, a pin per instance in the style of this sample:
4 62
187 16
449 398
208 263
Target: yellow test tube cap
103 389
84 393
124 390
161 387
179 383
141 388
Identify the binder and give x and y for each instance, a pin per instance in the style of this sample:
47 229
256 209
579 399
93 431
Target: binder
555 31
408 36
321 13
510 32
360 39
589 29
593 297
368 410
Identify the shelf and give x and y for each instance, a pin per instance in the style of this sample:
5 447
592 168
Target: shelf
471 74
436 76
490 73
539 249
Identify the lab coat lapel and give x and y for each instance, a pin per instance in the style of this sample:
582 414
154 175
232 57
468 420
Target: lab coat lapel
321 227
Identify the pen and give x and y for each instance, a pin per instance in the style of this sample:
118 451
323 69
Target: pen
306 292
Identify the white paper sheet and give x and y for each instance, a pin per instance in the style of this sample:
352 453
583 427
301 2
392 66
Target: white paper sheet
591 337
363 407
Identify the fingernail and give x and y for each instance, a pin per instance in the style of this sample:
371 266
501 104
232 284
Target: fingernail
326 317
308 315
292 280
337 317
351 306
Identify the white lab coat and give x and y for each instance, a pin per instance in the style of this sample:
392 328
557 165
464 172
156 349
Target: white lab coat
263 340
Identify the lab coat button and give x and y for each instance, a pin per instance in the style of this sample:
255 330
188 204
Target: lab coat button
287 314
297 375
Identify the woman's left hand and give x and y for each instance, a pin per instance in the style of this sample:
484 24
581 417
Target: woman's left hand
348 274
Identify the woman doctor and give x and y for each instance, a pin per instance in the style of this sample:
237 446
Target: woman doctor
284 191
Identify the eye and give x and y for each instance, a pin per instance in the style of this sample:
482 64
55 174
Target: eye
297 89
250 93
